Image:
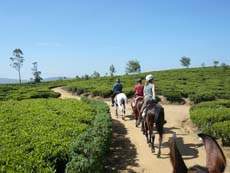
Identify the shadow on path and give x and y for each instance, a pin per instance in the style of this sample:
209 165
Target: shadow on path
122 151
188 150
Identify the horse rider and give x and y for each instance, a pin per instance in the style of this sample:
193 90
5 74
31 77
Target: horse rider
117 88
139 88
138 91
149 94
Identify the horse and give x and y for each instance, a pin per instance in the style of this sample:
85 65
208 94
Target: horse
215 160
154 115
136 105
120 102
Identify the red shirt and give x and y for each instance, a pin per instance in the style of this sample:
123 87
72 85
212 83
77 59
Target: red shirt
139 89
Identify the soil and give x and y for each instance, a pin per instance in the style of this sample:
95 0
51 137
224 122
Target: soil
131 153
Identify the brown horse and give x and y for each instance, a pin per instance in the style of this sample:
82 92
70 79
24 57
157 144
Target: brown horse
136 105
154 116
215 163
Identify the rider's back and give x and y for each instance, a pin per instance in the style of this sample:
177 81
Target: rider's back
117 88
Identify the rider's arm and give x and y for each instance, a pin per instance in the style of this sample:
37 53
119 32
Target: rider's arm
154 93
114 87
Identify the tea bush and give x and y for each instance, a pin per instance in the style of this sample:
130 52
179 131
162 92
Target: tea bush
89 151
36 134
213 118
28 91
222 129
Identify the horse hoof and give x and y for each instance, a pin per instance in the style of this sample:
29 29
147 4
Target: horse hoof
158 154
153 150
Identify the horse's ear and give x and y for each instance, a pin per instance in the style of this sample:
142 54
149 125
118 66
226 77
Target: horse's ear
215 160
176 159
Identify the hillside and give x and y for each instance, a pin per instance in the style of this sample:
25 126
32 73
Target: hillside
198 84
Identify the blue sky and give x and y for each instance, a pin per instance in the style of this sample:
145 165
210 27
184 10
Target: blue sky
77 37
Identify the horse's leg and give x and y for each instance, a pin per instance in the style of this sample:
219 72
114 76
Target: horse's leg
136 116
145 130
147 136
123 113
123 109
116 111
153 139
159 151
160 131
149 132
143 126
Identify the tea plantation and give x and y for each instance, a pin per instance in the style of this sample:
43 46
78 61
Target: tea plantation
38 135
28 91
197 84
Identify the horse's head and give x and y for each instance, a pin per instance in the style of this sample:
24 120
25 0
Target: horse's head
216 161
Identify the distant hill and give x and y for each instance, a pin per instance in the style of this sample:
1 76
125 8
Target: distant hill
6 80
55 78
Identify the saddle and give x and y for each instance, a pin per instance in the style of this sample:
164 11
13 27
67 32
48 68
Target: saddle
157 109
135 100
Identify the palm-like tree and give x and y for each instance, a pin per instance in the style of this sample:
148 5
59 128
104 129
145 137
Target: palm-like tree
17 61
36 73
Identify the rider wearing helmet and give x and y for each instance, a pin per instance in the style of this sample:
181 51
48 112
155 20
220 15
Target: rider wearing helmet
149 93
139 88
117 88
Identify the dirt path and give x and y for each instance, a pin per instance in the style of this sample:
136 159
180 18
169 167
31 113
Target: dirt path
130 152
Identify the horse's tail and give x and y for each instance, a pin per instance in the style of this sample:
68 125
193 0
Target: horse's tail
160 122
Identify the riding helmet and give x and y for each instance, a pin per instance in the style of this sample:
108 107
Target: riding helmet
118 80
149 77
139 80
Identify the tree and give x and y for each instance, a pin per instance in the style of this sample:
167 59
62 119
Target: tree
203 64
86 76
77 77
185 61
17 61
112 70
36 73
133 66
215 63
224 66
95 74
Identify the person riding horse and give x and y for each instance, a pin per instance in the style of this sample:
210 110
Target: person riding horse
117 88
138 92
139 88
149 95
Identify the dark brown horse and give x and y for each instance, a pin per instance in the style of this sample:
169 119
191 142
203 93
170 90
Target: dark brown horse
136 105
215 162
154 116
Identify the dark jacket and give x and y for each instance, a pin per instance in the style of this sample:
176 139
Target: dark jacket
117 88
